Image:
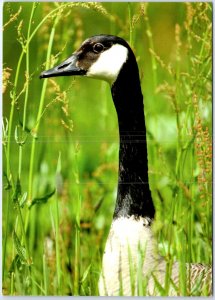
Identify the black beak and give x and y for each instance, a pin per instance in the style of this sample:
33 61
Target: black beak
66 68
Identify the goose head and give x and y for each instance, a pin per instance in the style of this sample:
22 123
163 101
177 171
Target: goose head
100 57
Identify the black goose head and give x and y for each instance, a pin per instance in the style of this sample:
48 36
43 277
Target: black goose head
101 57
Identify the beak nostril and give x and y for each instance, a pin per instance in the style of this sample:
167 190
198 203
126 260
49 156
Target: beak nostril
63 66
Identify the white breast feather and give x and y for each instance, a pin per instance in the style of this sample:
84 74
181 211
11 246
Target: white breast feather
127 236
122 254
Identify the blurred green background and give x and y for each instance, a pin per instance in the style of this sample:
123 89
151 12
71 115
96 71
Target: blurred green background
71 145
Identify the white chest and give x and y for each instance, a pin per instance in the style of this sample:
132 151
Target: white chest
129 250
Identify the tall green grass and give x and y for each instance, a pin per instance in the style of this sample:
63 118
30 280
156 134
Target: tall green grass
60 141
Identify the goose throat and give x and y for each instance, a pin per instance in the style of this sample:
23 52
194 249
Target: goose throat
133 195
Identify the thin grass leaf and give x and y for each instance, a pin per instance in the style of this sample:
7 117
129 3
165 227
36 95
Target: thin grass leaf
21 251
174 285
142 281
45 276
42 200
26 129
16 263
23 200
7 186
4 130
20 135
196 289
159 286
59 177
86 272
98 204
17 192
132 271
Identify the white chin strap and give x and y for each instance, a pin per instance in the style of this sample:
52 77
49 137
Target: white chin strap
109 64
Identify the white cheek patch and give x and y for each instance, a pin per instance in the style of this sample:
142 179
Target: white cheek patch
109 64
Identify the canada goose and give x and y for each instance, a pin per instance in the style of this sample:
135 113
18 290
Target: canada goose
110 58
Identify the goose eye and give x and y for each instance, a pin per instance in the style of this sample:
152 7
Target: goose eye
97 48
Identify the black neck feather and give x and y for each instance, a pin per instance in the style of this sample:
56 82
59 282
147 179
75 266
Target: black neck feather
134 195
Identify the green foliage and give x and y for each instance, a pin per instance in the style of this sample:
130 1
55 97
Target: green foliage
20 250
61 242
41 200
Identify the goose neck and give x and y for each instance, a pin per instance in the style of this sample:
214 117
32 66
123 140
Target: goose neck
134 195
